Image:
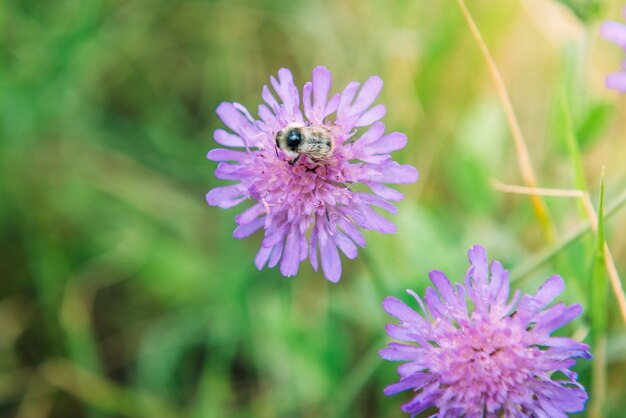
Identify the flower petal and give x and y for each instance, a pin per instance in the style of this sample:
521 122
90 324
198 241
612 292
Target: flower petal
351 231
550 290
322 80
262 256
445 288
250 214
238 122
226 196
331 263
388 143
367 95
307 89
226 171
245 230
416 380
228 139
313 249
366 217
374 114
614 32
220 154
291 255
288 93
401 352
277 252
616 81
345 244
394 173
386 192
397 308
376 201
556 317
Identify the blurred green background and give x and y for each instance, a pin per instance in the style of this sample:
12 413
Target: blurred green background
122 294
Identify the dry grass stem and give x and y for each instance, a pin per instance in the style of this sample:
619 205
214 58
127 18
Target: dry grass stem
611 269
523 157
599 379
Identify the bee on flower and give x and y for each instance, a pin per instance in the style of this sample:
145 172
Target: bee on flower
296 165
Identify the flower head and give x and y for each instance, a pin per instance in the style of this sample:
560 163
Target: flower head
303 204
497 359
616 32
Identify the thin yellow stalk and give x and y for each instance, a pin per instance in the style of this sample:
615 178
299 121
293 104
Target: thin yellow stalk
509 188
598 378
523 158
616 283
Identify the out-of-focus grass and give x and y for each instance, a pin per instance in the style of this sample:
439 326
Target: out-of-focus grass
123 294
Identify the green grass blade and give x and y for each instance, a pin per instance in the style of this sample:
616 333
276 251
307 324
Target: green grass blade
598 312
540 258
357 379
599 285
580 180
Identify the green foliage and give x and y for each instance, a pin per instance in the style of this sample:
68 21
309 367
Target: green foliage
584 9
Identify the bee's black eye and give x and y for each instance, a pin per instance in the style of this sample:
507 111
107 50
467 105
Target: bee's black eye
293 138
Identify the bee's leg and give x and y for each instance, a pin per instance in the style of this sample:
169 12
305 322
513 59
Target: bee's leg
295 160
276 149
327 215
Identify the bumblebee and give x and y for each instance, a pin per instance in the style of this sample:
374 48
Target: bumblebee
316 142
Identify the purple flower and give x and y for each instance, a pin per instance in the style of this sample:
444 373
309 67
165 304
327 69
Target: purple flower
616 32
497 359
306 205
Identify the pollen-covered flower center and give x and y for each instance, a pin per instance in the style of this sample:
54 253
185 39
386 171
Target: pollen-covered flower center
492 355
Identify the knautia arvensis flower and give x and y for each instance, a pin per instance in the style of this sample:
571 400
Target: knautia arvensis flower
495 359
305 204
616 32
